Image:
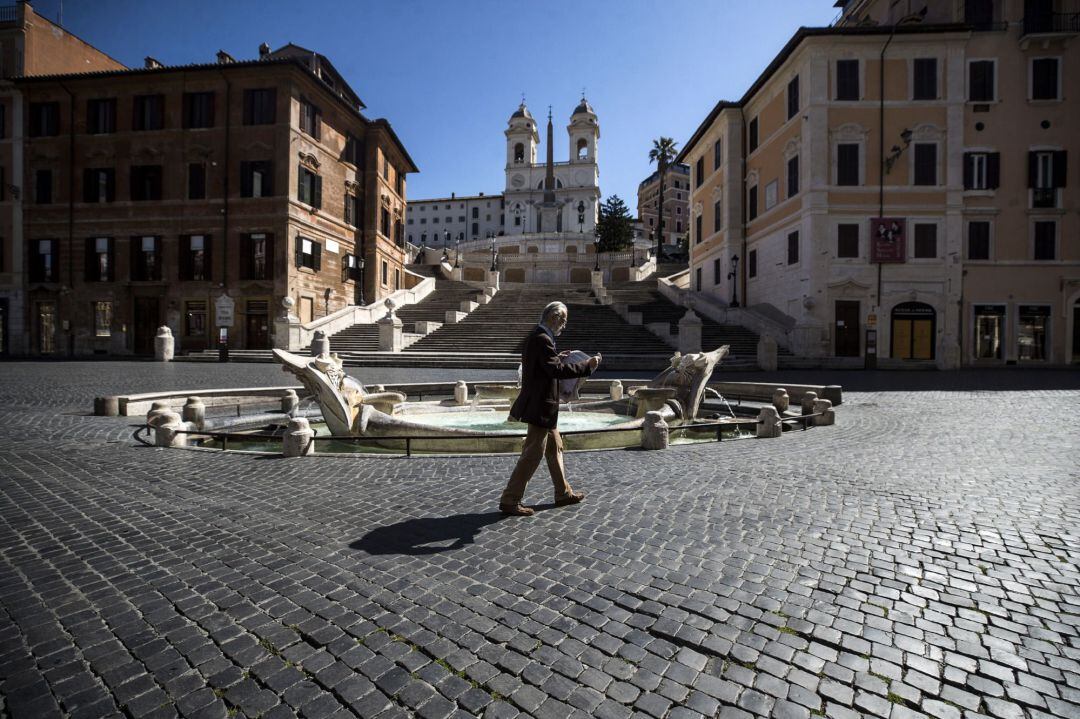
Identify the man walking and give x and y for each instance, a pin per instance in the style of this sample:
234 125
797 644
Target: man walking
538 406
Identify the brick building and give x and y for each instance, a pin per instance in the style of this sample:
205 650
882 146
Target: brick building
151 193
676 221
29 44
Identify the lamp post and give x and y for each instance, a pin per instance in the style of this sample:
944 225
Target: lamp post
491 236
596 243
457 253
446 245
734 277
633 248
360 278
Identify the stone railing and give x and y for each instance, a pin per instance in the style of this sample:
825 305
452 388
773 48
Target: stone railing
761 324
290 334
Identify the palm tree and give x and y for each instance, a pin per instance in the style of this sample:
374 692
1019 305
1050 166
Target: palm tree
663 153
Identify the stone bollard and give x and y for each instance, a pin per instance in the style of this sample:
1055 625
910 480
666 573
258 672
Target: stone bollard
289 401
164 347
461 393
297 440
808 402
654 431
827 414
194 411
833 393
320 344
615 390
768 423
165 427
159 407
106 406
781 400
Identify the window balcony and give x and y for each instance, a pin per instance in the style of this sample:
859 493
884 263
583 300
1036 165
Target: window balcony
1044 197
1052 23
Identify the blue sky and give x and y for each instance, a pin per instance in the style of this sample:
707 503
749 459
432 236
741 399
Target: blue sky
448 73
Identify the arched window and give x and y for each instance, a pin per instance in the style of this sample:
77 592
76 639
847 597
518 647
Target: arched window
583 149
519 152
423 238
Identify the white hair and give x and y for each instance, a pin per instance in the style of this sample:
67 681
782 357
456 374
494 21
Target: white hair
551 309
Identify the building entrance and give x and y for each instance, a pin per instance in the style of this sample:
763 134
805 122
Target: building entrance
1076 332
913 325
257 325
847 328
145 325
4 350
46 326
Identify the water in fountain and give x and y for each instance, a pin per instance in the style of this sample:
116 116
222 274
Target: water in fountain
730 411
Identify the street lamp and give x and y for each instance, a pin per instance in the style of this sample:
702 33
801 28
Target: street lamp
457 253
360 277
446 245
633 248
734 276
596 243
491 236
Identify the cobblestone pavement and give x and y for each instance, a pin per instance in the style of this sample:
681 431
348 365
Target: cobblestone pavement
922 557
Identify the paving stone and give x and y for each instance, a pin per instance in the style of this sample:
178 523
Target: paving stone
811 572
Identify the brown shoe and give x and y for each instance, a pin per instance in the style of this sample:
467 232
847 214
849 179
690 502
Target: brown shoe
516 510
572 498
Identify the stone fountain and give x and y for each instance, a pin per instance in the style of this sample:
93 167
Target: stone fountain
350 410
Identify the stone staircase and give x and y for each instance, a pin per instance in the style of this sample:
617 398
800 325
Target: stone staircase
492 335
645 298
501 326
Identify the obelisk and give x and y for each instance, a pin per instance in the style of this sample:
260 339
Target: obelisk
550 208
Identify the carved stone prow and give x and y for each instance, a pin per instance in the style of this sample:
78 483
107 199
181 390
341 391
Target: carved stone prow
688 375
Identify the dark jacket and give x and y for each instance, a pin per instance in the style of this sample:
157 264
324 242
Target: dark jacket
541 370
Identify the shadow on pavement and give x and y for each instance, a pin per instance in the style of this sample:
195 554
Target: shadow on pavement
427 535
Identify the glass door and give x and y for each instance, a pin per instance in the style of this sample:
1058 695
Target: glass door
46 328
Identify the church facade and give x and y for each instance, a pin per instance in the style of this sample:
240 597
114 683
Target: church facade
460 220
572 202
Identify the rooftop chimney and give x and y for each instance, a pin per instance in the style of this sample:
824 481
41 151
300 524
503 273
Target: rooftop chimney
151 63
264 50
224 58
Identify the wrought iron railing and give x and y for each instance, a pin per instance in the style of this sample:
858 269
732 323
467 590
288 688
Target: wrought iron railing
1052 22
9 13
1043 197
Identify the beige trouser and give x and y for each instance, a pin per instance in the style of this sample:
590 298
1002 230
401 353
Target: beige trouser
539 442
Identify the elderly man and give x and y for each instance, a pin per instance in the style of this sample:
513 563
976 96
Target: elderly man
538 406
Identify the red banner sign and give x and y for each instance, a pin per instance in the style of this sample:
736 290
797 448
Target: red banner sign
888 239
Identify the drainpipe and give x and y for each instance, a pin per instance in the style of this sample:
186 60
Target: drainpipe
225 189
881 147
71 208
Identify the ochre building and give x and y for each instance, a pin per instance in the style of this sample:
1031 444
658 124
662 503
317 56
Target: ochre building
954 123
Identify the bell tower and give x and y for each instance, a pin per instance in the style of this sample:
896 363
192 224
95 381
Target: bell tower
522 138
584 132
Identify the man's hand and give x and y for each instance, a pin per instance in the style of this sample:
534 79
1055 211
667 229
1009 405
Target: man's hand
564 353
594 362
